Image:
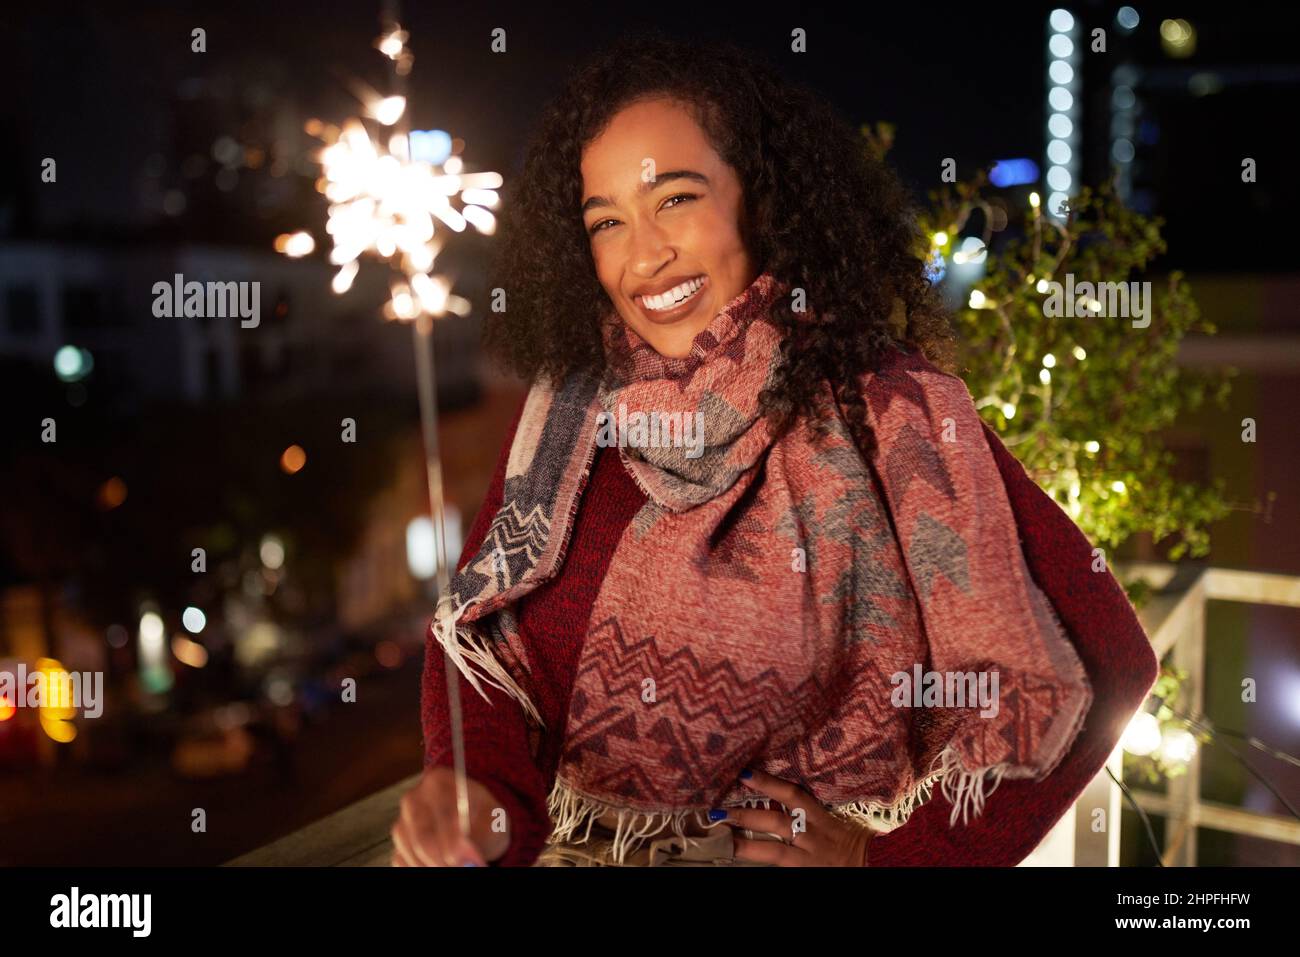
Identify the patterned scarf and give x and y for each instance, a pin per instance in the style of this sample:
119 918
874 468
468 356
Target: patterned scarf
864 627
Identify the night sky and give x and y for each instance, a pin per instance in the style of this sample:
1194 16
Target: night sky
95 85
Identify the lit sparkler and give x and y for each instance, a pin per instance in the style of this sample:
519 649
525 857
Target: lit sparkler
402 209
384 202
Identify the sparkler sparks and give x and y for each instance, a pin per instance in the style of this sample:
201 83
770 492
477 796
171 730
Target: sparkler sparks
384 202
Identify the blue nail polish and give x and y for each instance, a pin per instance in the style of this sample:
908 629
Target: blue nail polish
717 814
468 864
746 774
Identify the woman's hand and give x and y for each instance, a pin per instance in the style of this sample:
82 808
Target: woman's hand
821 839
427 832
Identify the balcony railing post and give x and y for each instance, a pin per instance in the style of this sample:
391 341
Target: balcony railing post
1185 791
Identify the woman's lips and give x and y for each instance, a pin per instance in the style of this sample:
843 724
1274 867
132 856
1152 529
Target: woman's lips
683 308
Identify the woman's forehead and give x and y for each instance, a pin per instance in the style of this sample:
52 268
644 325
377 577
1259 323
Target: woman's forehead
654 136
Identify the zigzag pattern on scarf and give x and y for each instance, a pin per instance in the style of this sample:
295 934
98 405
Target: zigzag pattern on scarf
513 544
699 713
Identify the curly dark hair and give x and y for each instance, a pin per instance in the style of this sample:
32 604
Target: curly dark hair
821 213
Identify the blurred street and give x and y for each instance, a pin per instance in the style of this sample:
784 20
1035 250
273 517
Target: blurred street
142 817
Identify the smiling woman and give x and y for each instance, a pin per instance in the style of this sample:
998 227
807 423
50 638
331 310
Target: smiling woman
660 649
668 247
665 162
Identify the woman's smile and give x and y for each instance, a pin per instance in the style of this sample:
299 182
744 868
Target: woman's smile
677 301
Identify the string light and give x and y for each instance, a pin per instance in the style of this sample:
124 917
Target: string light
1142 736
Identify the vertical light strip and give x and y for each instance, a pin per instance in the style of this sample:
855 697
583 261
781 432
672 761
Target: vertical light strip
1064 110
1123 126
1124 111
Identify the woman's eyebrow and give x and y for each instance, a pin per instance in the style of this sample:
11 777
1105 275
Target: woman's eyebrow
646 186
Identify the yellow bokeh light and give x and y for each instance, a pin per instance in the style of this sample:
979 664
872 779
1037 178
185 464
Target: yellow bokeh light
293 459
1178 38
189 652
112 493
56 708
57 730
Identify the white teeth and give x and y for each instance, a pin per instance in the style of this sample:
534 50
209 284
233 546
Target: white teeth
673 297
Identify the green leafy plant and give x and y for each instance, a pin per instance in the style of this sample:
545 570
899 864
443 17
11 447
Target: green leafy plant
1081 401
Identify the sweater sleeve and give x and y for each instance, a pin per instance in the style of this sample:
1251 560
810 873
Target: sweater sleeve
1121 668
497 750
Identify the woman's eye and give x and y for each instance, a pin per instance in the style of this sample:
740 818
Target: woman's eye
669 203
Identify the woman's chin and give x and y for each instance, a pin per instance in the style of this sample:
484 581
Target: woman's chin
672 341
672 337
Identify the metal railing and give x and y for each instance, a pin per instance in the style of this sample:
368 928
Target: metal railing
1174 619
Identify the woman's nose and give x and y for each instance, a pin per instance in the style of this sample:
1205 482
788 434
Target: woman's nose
652 248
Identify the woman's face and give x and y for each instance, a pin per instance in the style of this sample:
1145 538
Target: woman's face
663 213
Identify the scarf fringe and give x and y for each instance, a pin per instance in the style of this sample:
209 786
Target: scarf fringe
966 790
473 656
570 809
884 817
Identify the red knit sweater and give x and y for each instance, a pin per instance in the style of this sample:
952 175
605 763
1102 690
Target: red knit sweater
1120 665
